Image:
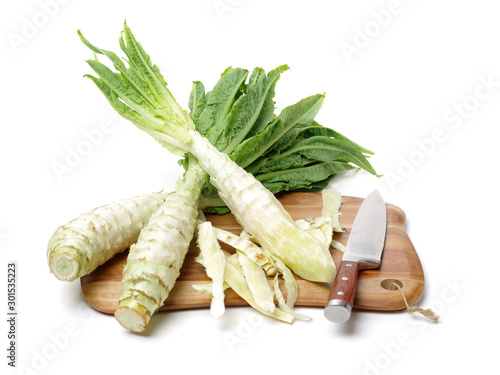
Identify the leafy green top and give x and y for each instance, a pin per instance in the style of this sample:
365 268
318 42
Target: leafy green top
288 151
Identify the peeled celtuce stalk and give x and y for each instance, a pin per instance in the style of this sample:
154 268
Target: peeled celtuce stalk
213 259
255 263
80 246
262 215
154 262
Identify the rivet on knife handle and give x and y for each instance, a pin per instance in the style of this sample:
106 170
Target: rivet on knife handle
339 305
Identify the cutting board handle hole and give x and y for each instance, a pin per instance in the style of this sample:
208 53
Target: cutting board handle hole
388 284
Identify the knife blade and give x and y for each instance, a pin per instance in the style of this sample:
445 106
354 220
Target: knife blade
363 251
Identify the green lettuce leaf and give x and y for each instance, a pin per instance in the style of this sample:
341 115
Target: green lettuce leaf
302 112
245 112
220 101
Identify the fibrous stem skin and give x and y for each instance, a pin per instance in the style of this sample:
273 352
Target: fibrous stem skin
80 246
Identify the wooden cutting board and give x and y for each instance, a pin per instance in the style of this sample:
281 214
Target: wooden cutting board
400 264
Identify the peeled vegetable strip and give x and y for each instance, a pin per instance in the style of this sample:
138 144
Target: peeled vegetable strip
332 200
284 305
291 285
233 275
243 243
154 262
206 287
213 259
324 226
257 282
266 261
80 246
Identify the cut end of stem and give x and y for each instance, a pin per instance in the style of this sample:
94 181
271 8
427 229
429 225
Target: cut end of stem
131 319
65 267
217 308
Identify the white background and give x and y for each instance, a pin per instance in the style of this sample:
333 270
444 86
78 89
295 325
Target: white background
396 74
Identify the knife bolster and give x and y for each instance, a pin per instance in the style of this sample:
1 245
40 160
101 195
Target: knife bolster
368 264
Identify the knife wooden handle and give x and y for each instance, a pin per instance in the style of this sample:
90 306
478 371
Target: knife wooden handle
339 305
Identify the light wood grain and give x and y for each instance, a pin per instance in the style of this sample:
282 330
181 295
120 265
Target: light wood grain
400 262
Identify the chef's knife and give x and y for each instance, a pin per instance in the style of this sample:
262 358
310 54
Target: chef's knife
363 251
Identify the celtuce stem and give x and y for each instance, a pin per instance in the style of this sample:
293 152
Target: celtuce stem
154 262
262 215
80 246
